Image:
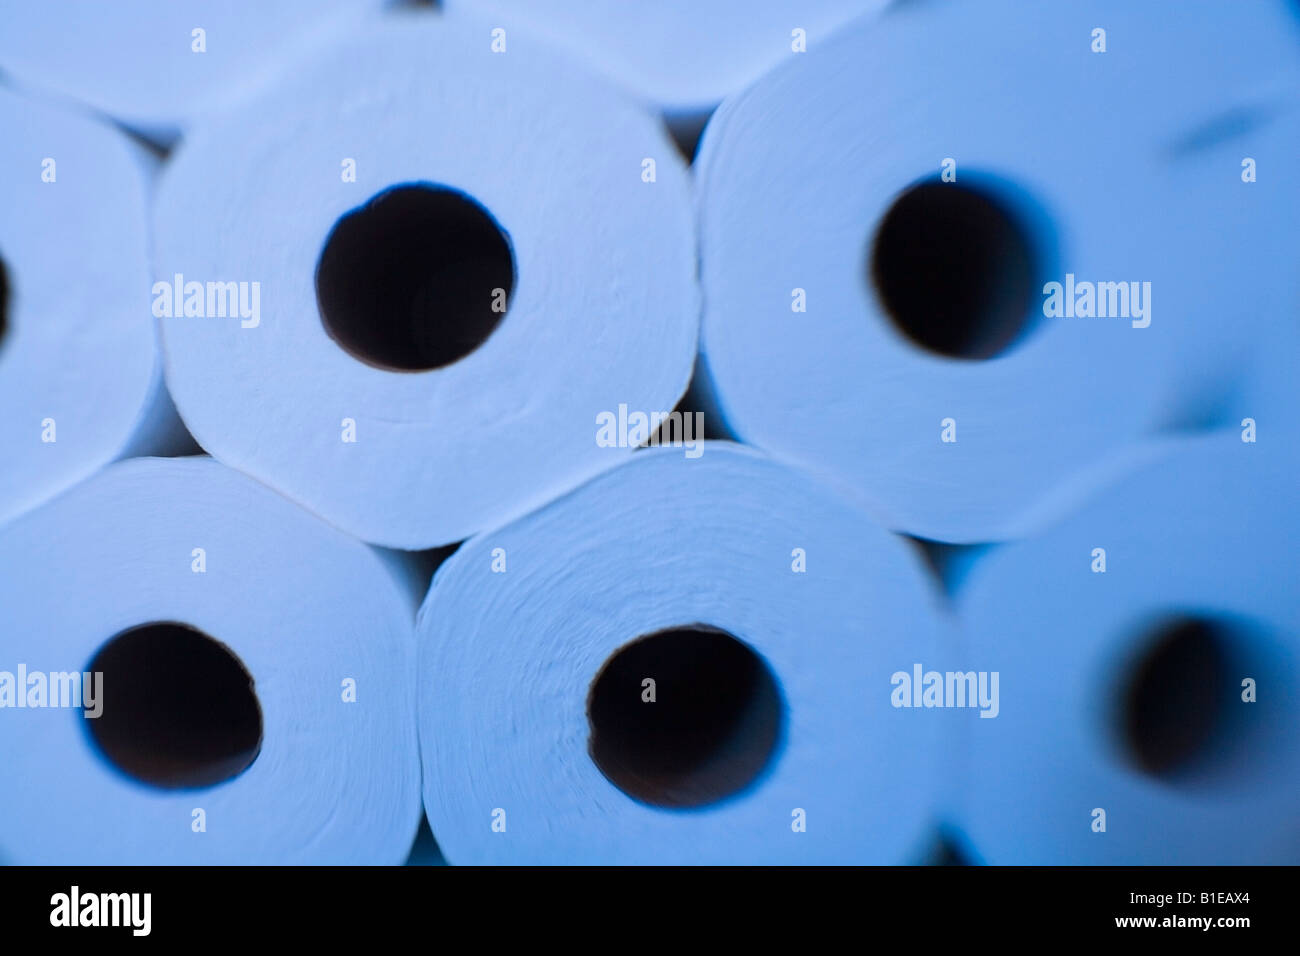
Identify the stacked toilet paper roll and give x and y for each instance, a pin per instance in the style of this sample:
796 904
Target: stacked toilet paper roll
1228 194
197 671
155 65
682 56
80 379
444 265
1250 224
1243 378
1271 393
1147 648
683 661
956 293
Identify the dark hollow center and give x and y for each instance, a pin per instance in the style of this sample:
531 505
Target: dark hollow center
1176 703
179 709
415 279
4 301
711 730
955 269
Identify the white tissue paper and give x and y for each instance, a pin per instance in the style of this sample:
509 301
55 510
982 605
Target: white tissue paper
683 56
1113 135
520 621
593 202
1204 531
80 379
314 617
155 65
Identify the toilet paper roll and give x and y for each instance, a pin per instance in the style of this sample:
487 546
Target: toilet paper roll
872 317
265 621
495 169
1265 393
157 64
1235 380
80 379
773 617
1228 195
1271 394
682 56
1125 638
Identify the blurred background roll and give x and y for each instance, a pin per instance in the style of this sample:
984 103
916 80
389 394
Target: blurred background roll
1255 225
155 65
1150 670
462 258
1229 201
80 379
683 661
1270 393
880 224
256 697
683 56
